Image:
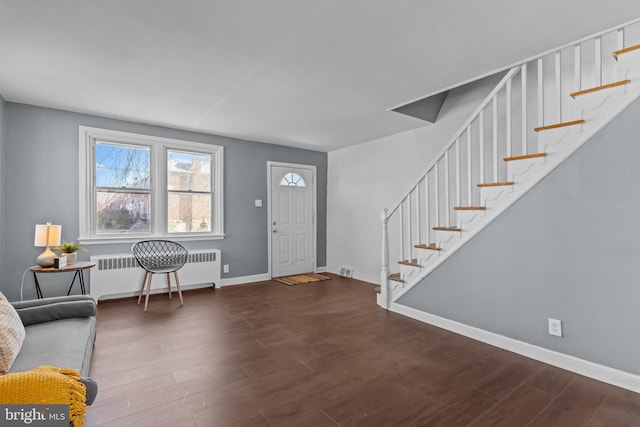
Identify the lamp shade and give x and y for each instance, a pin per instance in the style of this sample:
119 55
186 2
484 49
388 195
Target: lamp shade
47 235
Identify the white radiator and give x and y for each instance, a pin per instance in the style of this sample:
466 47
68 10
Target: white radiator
118 275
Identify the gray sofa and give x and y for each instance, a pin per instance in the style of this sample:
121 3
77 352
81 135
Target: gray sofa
60 331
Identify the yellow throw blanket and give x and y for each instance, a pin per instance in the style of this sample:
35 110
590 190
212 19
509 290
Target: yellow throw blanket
46 385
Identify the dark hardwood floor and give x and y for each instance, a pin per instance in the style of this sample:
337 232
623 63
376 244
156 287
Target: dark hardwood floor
321 354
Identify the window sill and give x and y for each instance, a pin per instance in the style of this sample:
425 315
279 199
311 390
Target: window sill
133 239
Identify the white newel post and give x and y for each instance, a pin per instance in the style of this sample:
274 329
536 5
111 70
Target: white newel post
384 275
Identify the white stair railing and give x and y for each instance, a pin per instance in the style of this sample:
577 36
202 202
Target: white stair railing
538 91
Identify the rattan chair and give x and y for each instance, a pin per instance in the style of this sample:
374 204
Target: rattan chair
159 257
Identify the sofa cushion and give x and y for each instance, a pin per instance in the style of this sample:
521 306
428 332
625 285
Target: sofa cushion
12 334
66 343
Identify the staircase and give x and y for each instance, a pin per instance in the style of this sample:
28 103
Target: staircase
541 112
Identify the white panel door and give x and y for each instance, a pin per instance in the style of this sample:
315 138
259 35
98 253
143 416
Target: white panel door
292 227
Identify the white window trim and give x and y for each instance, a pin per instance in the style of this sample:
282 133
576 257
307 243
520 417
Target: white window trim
159 146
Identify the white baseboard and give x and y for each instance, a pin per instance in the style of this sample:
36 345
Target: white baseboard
366 278
321 270
242 280
153 291
356 275
602 373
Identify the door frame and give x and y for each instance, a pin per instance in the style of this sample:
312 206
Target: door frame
314 214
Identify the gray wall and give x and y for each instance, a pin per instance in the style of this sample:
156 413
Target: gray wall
40 183
3 138
569 250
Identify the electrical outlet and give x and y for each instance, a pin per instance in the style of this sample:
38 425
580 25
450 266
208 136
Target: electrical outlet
225 268
555 327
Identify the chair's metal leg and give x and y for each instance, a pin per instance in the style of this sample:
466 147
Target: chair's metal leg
175 273
146 300
169 284
144 282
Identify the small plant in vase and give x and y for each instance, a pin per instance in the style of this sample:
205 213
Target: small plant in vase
69 250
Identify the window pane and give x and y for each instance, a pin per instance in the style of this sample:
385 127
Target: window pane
122 212
122 166
188 171
189 213
292 179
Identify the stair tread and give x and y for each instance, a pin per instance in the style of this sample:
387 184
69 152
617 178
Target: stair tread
430 246
496 184
526 156
410 263
470 208
559 125
447 229
625 50
597 88
395 277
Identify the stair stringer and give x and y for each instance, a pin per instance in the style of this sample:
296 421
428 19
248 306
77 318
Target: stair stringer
598 109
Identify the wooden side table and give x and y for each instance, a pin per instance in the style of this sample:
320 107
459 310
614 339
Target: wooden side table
77 267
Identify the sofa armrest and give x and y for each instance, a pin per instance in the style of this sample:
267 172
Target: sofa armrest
56 308
91 389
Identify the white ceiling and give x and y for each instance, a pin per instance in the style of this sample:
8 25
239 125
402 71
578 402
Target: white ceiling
317 74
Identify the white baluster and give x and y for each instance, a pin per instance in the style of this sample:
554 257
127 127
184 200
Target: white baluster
540 93
436 192
410 227
481 138
458 178
577 68
427 221
558 73
523 81
598 58
384 275
401 213
495 138
469 175
508 106
418 216
446 189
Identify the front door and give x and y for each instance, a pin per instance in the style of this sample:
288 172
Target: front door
292 218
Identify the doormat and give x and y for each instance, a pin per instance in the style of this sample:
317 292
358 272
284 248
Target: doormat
299 279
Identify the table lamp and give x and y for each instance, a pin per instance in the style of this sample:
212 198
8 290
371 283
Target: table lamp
47 235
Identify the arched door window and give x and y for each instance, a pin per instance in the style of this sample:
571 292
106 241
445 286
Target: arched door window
292 179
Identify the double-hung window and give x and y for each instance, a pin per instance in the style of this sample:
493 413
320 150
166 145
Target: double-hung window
137 186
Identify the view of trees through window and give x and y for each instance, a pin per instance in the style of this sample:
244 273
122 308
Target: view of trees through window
136 186
123 191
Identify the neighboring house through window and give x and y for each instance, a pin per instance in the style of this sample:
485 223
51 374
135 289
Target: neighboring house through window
136 186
